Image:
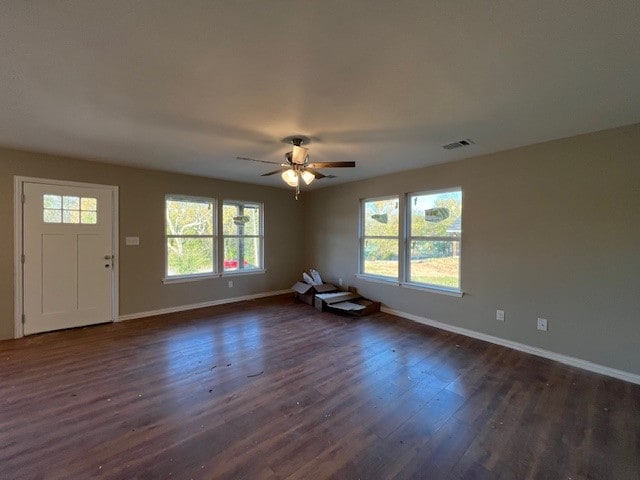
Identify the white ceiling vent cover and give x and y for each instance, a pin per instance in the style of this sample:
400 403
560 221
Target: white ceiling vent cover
461 143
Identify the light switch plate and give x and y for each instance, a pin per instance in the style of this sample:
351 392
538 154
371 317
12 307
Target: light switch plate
131 241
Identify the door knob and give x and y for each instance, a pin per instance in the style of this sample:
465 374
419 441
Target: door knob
108 257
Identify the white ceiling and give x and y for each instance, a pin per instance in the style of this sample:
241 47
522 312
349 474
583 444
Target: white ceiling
187 86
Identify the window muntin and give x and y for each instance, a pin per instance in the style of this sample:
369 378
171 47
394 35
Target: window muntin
434 236
379 242
242 231
69 209
190 226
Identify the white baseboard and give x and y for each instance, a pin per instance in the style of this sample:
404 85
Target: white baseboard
540 352
182 308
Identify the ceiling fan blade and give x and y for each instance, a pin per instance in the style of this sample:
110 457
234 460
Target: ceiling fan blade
332 165
256 160
274 172
319 175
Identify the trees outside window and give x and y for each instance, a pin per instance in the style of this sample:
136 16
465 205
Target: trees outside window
190 236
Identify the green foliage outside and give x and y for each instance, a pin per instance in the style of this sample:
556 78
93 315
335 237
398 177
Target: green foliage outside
386 224
188 255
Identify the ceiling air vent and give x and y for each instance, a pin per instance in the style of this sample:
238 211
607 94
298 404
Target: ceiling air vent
461 143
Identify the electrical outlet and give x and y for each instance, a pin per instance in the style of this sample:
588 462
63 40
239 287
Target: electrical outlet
230 283
542 324
500 315
340 281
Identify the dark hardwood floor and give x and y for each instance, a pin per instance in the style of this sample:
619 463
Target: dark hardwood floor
273 389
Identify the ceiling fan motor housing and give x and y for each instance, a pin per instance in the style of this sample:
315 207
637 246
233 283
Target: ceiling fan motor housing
299 155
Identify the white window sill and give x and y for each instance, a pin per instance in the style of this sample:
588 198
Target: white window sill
412 286
209 276
375 279
190 278
432 289
235 273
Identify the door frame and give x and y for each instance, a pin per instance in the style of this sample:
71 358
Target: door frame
18 244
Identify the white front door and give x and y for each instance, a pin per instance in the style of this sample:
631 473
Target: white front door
68 256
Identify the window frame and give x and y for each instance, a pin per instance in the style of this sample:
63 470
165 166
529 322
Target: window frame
409 238
214 239
404 244
364 237
260 237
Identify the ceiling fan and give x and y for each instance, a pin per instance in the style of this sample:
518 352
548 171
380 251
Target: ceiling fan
297 165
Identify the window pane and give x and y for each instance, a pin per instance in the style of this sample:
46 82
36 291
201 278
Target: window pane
89 217
241 219
52 201
89 204
70 216
228 212
71 203
187 256
381 217
436 215
52 216
252 227
381 257
189 217
435 263
241 254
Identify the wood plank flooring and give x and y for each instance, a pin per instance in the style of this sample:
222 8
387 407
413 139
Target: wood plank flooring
272 389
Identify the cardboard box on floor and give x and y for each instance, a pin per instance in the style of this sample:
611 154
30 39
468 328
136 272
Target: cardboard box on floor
350 303
306 293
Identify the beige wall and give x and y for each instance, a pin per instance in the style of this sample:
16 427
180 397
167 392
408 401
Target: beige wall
141 213
550 230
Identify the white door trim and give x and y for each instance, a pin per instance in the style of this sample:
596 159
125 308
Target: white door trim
18 240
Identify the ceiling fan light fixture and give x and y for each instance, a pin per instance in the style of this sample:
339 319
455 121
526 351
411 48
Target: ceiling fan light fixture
290 177
308 177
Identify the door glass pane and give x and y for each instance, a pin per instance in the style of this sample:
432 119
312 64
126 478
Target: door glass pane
71 203
52 216
241 254
435 263
71 216
381 257
187 256
381 217
88 217
52 201
89 204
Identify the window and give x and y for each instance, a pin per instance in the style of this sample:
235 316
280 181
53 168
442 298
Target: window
435 228
379 239
242 236
190 236
69 209
430 248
